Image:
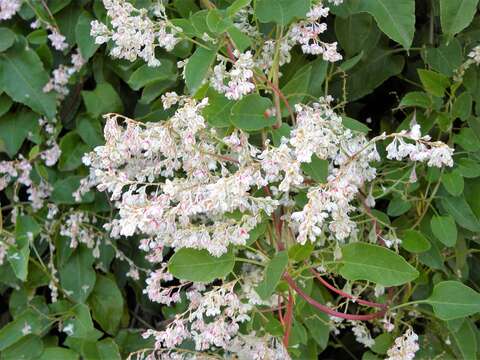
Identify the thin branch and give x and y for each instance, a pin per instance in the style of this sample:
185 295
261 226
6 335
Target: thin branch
325 309
344 294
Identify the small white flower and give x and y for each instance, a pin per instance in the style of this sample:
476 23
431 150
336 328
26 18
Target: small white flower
27 329
8 8
404 347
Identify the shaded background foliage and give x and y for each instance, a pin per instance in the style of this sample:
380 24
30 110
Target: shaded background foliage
379 84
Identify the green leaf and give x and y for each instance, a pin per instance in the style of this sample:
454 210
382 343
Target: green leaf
350 63
361 261
73 149
466 339
456 15
5 104
416 99
462 107
23 77
433 82
7 38
468 168
131 340
67 19
383 342
104 99
446 58
12 332
199 265
241 41
461 212
217 113
272 275
86 43
444 229
146 75
217 22
299 252
474 123
256 232
90 130
38 37
453 182
249 113
29 347
14 129
396 18
280 11
186 7
414 242
376 67
236 6
106 302
297 87
467 139
63 189
355 125
356 33
58 353
398 206
453 300
279 133
108 350
317 169
77 276
82 324
26 228
152 91
197 67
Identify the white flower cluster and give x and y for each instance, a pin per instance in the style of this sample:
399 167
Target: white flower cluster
362 334
252 347
320 131
307 32
134 34
267 54
160 293
404 347
236 82
19 170
8 8
74 229
58 40
62 74
189 210
212 320
51 155
474 54
184 211
434 153
242 22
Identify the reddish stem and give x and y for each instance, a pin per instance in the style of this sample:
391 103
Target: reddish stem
325 309
344 294
288 319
